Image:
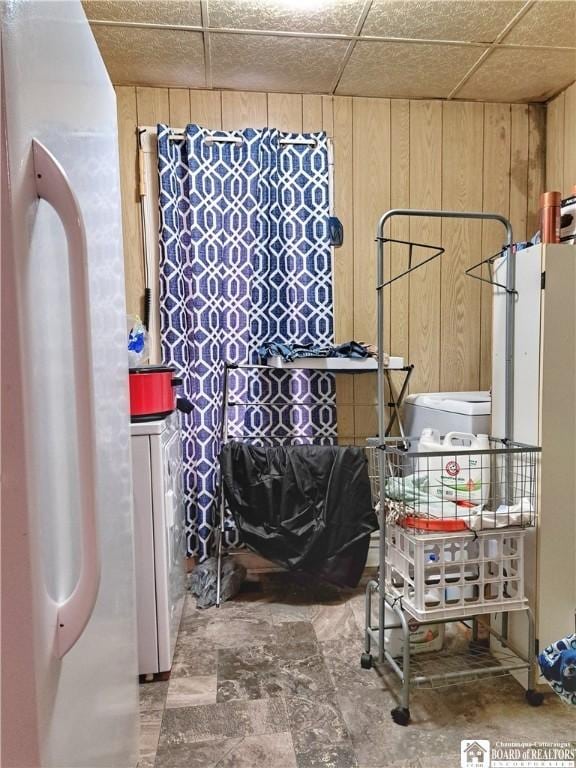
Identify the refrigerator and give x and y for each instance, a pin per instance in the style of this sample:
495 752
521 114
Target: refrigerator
69 647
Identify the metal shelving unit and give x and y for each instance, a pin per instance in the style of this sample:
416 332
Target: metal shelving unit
445 667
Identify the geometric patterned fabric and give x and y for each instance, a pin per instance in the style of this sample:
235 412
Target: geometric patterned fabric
553 662
244 259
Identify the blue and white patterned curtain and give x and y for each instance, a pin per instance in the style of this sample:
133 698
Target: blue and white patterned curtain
245 259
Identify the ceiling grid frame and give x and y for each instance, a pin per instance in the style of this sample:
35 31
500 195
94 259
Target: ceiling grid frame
357 32
511 24
205 17
559 57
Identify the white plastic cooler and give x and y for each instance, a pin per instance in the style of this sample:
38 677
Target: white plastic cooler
448 412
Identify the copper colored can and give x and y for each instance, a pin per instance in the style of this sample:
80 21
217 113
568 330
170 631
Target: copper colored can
550 217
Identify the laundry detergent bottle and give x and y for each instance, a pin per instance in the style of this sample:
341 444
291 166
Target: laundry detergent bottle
453 476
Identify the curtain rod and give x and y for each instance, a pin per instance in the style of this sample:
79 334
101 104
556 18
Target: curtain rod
240 140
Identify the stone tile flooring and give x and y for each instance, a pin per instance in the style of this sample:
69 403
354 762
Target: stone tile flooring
272 679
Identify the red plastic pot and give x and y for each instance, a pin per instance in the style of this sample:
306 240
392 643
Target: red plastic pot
152 392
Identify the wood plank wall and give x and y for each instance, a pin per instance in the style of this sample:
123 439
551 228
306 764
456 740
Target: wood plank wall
388 153
561 142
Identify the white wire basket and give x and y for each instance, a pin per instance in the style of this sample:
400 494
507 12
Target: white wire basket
457 490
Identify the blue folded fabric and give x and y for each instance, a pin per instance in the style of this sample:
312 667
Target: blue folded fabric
558 665
291 352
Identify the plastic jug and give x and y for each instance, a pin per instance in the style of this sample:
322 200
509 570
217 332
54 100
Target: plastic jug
423 639
462 479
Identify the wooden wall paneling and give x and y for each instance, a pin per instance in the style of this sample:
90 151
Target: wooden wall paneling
425 192
536 166
399 198
462 159
555 144
311 113
519 131
328 115
241 109
345 417
179 105
344 383
569 140
206 108
153 106
371 198
285 111
496 199
343 257
387 154
343 208
131 222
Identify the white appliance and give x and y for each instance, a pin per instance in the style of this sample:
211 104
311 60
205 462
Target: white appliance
69 655
160 541
447 412
545 415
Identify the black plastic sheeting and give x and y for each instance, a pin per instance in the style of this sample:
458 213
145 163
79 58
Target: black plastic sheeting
305 507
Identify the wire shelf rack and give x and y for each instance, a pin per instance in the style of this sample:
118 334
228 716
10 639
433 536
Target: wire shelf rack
448 667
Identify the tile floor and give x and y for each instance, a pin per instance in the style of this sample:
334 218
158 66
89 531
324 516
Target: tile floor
272 680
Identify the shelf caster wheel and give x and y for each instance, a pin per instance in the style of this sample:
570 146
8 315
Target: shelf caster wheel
400 715
534 698
366 661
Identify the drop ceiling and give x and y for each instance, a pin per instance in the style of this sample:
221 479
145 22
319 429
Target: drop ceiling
488 50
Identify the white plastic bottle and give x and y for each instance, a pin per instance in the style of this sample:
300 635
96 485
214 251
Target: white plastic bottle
466 478
423 639
430 466
462 479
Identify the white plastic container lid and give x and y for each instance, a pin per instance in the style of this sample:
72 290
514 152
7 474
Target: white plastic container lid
466 403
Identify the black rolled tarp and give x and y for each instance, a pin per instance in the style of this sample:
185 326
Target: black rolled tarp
306 507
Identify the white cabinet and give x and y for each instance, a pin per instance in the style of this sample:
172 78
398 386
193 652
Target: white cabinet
544 414
160 540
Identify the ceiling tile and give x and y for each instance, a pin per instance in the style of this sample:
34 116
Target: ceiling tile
547 23
521 74
440 19
329 16
148 11
406 70
263 63
152 56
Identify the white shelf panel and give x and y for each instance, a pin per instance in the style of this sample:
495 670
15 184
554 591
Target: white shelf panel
334 364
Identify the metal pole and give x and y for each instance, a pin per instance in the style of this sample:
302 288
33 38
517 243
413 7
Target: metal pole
381 455
222 500
510 331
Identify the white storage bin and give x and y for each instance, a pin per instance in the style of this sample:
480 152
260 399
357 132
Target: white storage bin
467 573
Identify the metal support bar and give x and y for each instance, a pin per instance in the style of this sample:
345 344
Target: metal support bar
397 400
438 251
490 281
220 534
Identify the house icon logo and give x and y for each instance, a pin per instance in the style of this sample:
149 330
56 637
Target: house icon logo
475 753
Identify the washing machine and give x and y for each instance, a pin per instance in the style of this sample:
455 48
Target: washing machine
160 542
448 412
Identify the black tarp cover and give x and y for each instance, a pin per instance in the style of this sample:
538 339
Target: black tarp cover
305 507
